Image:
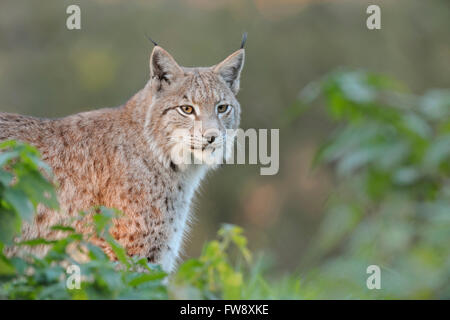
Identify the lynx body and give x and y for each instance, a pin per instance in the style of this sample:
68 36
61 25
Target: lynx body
121 157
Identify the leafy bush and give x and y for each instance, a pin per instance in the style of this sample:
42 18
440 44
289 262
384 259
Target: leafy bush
391 156
211 276
391 208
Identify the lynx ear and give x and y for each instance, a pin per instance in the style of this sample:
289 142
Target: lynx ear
230 69
163 68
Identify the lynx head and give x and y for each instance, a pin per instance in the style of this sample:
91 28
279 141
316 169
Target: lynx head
193 109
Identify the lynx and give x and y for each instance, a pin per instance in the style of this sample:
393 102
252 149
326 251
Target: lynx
121 157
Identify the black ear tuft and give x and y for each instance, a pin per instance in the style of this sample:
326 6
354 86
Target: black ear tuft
244 40
152 41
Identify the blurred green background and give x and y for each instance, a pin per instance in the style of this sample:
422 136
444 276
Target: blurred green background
49 71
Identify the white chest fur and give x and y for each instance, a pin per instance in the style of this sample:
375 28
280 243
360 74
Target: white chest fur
179 227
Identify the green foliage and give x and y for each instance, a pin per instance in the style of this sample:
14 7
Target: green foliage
212 276
391 156
19 200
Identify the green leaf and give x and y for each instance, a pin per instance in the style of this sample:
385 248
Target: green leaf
63 228
5 177
18 199
38 189
9 225
5 157
147 278
438 152
6 267
118 251
36 242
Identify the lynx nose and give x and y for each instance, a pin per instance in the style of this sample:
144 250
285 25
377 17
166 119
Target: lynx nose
211 134
211 137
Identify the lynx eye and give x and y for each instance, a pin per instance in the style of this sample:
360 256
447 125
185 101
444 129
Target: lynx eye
187 109
223 108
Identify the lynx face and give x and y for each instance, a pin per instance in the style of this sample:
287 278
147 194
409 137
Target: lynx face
194 107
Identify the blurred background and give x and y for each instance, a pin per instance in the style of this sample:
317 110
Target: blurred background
49 71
